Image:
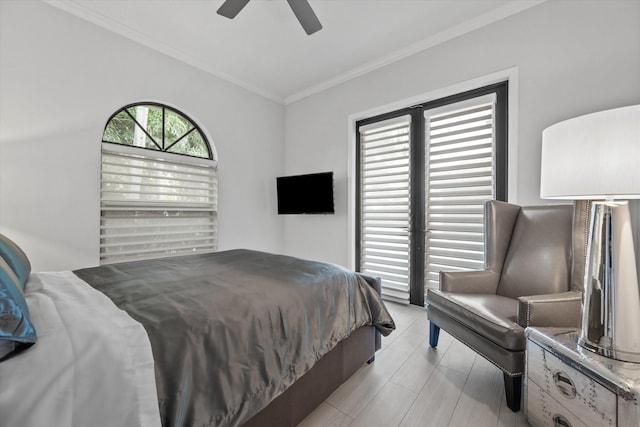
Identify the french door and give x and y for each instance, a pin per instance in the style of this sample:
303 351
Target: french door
424 174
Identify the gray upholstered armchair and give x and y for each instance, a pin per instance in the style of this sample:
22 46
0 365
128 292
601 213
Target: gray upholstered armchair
534 264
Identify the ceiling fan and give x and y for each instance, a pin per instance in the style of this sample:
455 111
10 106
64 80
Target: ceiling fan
301 8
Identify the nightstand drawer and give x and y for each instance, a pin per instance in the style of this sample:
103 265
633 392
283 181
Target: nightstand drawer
543 410
580 395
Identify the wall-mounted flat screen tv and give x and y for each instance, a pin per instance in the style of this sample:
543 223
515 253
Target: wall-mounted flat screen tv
306 194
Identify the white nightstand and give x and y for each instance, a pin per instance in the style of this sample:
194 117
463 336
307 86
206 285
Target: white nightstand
568 386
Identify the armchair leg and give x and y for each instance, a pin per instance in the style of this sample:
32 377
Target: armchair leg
434 333
513 390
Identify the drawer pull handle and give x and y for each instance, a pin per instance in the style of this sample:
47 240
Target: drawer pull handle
560 421
564 385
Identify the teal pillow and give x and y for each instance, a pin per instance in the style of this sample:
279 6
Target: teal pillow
16 258
16 330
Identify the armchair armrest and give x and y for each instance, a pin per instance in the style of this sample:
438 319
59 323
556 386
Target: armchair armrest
560 309
469 282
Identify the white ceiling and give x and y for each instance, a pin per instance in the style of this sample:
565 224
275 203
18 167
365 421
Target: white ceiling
264 49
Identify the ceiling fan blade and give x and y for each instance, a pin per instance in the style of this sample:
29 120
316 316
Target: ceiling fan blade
230 8
306 16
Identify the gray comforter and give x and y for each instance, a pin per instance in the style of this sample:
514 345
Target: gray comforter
231 330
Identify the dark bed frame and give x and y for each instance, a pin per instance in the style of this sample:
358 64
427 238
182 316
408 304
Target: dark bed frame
314 387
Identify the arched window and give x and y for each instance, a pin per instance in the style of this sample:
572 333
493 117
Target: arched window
159 187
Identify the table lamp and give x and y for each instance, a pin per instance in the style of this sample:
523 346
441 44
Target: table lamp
597 157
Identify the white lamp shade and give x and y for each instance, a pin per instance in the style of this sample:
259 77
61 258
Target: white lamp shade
595 156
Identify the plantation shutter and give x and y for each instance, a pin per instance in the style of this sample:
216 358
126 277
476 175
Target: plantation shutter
460 163
385 211
156 204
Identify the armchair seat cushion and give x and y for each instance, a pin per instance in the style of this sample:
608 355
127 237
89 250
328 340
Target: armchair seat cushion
492 316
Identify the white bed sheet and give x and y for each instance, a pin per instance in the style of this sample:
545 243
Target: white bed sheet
92 364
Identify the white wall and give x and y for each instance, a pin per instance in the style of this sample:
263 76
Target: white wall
60 80
572 58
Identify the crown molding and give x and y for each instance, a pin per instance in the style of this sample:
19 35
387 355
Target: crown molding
77 9
480 21
511 8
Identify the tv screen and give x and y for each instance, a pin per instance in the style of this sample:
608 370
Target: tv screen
306 194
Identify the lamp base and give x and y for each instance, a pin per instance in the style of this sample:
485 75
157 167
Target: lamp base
611 311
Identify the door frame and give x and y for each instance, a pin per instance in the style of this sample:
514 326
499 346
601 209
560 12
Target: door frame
505 191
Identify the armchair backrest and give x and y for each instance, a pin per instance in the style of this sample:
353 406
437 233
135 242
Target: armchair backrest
538 260
535 250
581 220
499 220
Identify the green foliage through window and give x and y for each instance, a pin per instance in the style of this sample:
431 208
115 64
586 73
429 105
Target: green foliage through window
156 127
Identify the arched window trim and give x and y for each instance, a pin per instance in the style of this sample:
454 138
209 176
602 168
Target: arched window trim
162 149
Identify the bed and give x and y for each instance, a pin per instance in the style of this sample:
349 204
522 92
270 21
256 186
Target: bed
223 339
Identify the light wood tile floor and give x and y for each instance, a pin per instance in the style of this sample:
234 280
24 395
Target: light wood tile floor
411 384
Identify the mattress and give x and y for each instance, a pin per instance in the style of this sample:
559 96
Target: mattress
206 339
